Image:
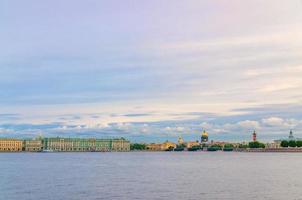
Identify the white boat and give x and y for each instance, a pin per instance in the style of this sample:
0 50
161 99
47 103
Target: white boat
47 151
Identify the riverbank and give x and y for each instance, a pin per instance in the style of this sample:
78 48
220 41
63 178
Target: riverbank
248 150
290 150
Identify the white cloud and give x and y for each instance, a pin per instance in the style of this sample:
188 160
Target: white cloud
206 125
248 124
5 131
196 69
273 121
180 129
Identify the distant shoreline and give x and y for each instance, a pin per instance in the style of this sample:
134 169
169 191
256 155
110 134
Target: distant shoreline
275 150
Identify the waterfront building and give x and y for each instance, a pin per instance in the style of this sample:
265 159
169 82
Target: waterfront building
83 144
168 145
120 145
154 147
10 145
290 138
180 141
161 147
190 144
219 143
274 145
33 145
204 137
254 136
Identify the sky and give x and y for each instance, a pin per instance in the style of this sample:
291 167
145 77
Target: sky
151 71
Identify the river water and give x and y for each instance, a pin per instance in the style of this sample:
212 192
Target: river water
150 175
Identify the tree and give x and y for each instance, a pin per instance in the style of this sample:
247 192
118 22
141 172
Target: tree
243 146
180 146
299 143
284 143
137 146
292 143
261 145
228 147
194 148
256 144
215 147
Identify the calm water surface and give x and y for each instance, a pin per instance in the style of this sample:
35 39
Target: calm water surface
150 175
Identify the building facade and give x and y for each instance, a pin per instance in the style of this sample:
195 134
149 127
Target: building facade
32 145
154 147
168 145
10 145
120 145
192 143
161 147
180 141
83 144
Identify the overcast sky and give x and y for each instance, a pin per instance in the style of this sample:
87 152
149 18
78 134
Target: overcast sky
151 70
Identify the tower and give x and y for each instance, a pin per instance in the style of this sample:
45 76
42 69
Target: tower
204 137
291 136
180 140
254 136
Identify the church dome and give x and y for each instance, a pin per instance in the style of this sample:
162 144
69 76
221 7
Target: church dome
204 134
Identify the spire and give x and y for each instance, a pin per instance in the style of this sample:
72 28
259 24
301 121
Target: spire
291 136
254 136
180 140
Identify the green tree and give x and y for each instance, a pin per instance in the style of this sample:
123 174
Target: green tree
228 147
137 146
243 146
256 144
215 147
194 148
292 143
284 143
299 143
180 146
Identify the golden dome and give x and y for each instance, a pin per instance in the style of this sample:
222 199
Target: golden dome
204 134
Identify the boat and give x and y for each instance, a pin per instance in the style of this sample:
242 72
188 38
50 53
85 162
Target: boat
47 151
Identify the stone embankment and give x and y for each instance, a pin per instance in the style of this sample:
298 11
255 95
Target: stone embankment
271 150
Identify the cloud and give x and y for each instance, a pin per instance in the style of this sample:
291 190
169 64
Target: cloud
281 123
248 124
137 115
154 79
4 131
273 121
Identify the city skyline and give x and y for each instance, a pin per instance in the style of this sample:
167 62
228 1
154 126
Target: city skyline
150 71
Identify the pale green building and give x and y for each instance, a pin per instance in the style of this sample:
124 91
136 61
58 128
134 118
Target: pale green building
84 145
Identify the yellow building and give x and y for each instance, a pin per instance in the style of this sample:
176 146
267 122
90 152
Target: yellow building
10 145
192 143
161 147
154 147
168 145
